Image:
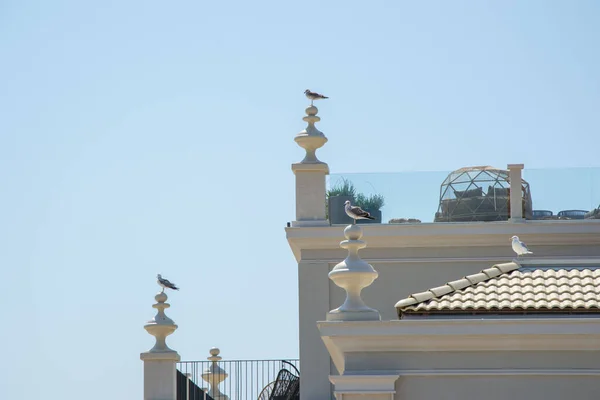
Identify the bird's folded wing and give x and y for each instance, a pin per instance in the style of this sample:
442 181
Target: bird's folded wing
358 211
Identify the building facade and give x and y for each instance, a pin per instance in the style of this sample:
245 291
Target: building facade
462 349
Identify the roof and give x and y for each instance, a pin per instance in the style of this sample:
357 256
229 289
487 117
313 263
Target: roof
505 288
480 168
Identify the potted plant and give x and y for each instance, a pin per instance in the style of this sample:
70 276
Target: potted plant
371 204
336 197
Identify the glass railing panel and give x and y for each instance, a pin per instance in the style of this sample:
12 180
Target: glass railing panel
410 195
465 195
565 193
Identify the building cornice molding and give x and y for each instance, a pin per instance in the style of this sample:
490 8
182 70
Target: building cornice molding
365 384
487 372
534 334
535 233
537 261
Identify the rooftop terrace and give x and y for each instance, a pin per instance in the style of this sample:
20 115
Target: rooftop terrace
467 194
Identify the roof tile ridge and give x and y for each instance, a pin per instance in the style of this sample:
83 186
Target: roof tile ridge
459 284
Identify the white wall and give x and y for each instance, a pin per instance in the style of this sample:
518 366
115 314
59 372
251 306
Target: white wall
498 388
313 305
411 259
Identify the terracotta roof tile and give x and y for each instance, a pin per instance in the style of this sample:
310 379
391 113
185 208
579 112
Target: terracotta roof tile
506 288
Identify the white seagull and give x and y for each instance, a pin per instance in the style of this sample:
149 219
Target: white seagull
356 212
164 283
312 96
519 247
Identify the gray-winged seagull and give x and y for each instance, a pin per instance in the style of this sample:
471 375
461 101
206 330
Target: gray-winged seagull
356 212
312 96
164 283
519 247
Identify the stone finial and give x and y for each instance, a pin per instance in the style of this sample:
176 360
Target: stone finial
161 326
353 275
214 375
311 139
160 373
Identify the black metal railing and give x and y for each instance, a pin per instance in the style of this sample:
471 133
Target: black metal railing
188 390
238 380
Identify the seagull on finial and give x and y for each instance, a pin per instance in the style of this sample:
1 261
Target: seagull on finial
164 283
312 96
519 247
356 212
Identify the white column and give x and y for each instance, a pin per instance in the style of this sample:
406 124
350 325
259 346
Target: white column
160 374
353 275
516 192
313 303
310 175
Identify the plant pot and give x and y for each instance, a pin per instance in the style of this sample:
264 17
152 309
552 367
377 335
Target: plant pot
375 214
337 214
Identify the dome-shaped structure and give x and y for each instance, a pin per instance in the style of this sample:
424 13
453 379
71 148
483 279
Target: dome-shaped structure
479 194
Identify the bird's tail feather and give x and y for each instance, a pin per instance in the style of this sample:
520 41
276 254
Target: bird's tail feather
369 217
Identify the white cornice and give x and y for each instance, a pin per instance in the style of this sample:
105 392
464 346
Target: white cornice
572 232
368 383
536 334
537 261
485 372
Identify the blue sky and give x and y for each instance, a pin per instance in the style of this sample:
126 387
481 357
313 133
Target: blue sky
132 132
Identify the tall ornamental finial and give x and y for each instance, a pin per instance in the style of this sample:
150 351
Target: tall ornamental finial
214 375
353 275
160 326
160 374
310 175
311 139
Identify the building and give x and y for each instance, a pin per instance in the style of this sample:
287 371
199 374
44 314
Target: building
440 310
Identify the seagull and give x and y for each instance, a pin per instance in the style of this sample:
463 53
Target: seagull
164 283
519 247
312 96
356 212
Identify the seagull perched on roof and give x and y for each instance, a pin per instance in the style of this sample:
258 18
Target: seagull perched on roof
312 96
356 212
164 283
519 247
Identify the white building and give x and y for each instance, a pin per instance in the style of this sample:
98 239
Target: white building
440 310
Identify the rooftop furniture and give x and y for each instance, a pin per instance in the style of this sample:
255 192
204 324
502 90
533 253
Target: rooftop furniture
543 214
572 214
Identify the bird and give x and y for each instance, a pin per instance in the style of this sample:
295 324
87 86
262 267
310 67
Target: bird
164 283
519 247
356 212
312 96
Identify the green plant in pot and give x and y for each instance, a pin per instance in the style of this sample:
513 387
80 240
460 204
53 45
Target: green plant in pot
336 197
373 205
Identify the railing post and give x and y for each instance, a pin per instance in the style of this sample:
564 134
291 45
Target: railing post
160 373
214 375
